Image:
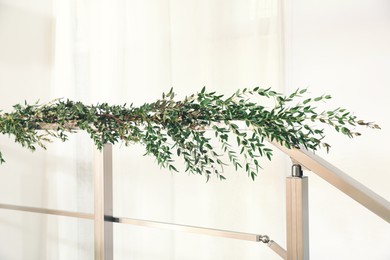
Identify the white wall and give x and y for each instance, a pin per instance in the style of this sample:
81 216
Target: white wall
342 48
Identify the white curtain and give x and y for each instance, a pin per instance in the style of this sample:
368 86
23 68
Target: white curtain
121 51
130 51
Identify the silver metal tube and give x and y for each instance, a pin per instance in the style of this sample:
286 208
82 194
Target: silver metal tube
201 230
146 223
103 204
297 218
278 249
191 229
47 211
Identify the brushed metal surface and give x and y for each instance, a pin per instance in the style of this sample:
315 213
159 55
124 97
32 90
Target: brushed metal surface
200 230
186 228
278 249
47 211
297 218
103 232
339 179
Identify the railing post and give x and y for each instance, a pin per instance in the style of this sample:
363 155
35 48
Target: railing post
103 235
297 215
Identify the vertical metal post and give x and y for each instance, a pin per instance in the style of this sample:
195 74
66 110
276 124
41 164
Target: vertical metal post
103 204
297 215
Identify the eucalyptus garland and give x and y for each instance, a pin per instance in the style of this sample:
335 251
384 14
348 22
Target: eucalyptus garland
203 129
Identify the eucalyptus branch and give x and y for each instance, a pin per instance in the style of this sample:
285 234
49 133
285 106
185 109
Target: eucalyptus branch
169 128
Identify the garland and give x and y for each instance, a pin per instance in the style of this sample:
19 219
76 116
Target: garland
169 128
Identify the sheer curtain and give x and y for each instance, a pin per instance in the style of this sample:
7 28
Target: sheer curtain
121 51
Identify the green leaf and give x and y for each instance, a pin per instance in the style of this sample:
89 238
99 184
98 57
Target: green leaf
167 125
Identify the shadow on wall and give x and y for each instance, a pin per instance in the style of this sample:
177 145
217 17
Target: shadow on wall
23 37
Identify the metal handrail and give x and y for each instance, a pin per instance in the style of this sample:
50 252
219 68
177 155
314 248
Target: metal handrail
339 179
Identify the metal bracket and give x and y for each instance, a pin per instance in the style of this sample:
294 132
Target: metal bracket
296 171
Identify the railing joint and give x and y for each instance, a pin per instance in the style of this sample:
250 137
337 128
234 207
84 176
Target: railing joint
296 170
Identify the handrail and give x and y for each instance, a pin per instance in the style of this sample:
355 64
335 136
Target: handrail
340 180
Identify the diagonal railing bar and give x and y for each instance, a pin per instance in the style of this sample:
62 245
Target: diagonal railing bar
203 231
339 179
56 212
187 228
156 224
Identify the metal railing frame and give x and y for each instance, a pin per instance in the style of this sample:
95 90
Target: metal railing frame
297 221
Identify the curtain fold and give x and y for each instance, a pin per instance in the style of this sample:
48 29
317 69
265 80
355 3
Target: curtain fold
130 51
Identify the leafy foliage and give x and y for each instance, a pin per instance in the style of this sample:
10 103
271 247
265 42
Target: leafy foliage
168 127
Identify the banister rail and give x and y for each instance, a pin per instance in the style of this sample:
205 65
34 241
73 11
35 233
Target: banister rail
340 180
